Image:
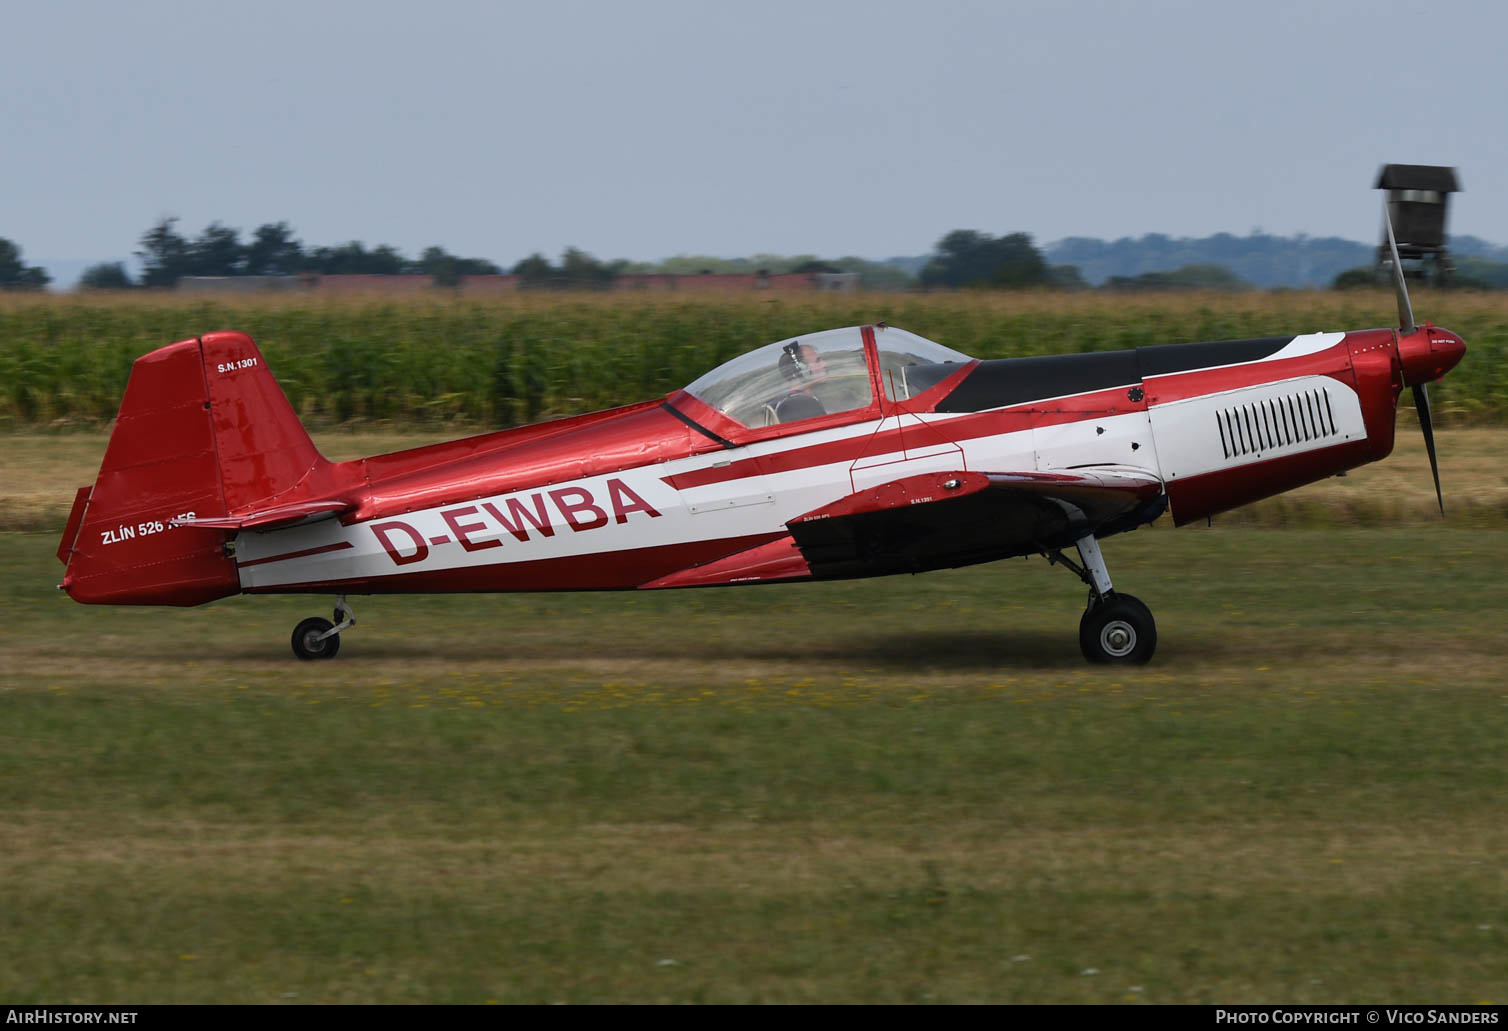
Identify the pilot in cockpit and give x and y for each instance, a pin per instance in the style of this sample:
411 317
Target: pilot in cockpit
801 366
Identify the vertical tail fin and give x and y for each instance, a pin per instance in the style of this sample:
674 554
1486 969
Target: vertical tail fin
203 431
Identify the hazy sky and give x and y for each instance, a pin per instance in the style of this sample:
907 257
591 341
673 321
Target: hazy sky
651 128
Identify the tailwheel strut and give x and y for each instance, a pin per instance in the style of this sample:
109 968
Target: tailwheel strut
1115 627
318 638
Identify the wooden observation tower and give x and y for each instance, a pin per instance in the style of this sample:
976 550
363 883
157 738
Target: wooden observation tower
1417 198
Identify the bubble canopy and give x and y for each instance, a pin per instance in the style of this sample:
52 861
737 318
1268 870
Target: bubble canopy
820 374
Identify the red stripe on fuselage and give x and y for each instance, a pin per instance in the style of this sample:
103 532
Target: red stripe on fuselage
338 546
622 570
531 459
1196 497
1049 412
1334 362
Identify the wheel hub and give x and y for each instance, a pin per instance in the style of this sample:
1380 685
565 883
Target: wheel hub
1118 638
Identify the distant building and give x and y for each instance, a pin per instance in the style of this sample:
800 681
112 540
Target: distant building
505 283
739 282
494 284
837 282
239 284
698 283
369 284
304 283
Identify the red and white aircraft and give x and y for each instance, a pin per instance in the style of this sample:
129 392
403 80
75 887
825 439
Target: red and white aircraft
847 453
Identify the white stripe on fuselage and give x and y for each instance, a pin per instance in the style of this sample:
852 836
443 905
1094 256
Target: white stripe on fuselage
1308 343
628 509
595 516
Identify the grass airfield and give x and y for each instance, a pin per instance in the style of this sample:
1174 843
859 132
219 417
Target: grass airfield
900 790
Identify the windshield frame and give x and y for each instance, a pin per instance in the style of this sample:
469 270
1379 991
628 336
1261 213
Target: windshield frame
733 433
725 426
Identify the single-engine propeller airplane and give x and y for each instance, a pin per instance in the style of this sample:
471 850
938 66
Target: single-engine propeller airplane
846 453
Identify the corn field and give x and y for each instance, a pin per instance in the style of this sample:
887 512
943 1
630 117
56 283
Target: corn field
501 362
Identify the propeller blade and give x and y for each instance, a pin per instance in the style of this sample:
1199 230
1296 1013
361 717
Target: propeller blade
1405 310
1421 404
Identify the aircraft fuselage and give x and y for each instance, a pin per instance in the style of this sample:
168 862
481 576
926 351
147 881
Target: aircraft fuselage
625 498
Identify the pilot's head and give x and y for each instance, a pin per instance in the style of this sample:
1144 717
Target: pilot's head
800 363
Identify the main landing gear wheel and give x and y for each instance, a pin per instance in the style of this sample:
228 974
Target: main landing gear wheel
309 641
1115 627
1118 628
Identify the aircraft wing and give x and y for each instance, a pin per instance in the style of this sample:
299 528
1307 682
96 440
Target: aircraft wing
937 520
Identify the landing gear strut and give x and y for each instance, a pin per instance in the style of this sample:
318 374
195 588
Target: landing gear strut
1115 627
318 638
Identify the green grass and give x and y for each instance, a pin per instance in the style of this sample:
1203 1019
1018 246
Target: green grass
898 790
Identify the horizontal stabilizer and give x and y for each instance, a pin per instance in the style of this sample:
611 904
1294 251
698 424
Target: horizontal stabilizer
75 520
271 518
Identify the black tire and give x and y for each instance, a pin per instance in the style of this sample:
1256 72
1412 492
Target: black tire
1120 630
305 645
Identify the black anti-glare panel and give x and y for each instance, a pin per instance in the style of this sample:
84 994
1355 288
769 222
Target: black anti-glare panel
1014 381
1166 359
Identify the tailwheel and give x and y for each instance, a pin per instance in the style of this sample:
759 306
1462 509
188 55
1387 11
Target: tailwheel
313 639
1118 628
317 638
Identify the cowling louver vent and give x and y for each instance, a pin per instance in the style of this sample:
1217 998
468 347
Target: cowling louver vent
1277 422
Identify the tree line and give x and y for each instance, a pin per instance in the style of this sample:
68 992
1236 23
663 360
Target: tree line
970 259
167 256
273 249
964 258
15 274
